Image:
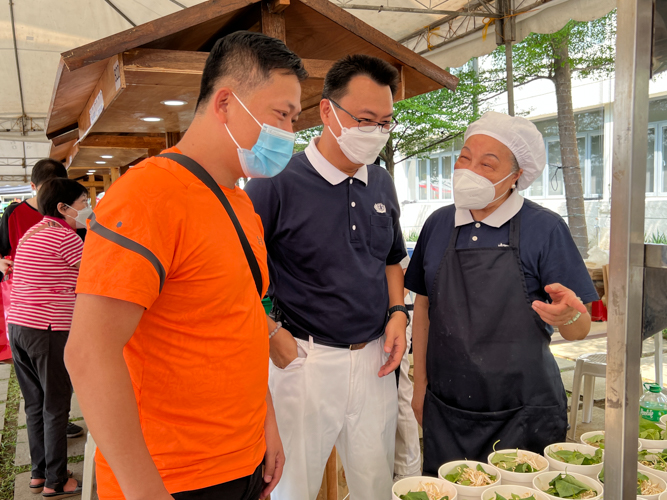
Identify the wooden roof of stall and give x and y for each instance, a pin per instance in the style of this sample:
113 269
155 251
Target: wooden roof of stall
105 88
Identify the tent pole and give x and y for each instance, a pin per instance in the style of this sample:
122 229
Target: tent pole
510 78
626 267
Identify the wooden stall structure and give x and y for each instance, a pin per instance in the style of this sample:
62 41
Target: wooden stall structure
130 95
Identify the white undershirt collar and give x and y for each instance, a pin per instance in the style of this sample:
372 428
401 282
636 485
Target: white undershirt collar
500 216
327 170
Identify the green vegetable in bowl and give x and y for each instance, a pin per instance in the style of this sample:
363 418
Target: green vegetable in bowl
465 476
514 497
574 457
512 462
597 440
419 495
655 461
650 430
566 486
644 484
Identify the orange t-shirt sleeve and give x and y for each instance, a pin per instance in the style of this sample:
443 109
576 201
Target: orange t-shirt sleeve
132 240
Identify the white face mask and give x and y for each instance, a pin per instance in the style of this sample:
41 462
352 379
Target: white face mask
81 216
359 147
472 191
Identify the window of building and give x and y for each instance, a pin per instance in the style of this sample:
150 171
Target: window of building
430 179
656 160
590 145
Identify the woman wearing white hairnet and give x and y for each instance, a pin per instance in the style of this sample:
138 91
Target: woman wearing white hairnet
494 273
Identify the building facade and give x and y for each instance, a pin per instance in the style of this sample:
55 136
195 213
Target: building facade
424 184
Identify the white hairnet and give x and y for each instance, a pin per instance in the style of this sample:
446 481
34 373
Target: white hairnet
520 136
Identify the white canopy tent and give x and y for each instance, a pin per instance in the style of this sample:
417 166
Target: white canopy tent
36 32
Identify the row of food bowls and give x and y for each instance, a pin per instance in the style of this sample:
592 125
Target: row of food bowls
525 484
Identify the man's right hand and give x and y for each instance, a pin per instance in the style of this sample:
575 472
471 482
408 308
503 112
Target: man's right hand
418 401
283 349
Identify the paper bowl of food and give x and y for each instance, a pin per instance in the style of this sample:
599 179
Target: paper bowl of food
470 478
518 467
558 485
511 492
596 439
575 457
653 461
663 496
649 486
410 488
652 435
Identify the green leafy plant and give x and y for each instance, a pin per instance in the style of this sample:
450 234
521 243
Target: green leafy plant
566 486
411 235
597 440
658 237
650 430
574 457
465 476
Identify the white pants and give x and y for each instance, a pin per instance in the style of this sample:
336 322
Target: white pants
330 396
407 461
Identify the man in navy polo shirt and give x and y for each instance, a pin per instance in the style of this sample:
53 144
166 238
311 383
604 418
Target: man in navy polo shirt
331 226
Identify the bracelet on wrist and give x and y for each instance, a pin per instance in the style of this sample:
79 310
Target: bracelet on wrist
576 317
279 325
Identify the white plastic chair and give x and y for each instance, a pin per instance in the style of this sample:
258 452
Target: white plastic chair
588 366
88 468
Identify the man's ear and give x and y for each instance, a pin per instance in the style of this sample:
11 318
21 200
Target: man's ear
325 112
219 103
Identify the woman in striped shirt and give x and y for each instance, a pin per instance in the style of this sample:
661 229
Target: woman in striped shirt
45 271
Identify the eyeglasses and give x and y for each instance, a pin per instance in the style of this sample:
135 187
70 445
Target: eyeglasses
369 125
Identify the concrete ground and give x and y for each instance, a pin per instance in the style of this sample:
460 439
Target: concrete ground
565 353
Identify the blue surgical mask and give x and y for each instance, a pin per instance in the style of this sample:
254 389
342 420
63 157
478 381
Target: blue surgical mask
270 154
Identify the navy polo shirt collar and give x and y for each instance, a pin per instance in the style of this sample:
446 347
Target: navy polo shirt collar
327 170
500 216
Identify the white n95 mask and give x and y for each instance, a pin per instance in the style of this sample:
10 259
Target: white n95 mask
472 191
359 147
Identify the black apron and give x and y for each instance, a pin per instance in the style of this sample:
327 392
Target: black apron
490 373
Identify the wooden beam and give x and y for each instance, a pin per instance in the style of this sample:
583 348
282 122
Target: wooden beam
311 102
317 68
109 86
400 91
115 174
404 55
107 182
92 184
172 139
273 23
277 6
164 61
150 31
104 141
331 472
92 190
71 135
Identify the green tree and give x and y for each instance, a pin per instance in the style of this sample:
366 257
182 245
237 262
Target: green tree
579 50
427 121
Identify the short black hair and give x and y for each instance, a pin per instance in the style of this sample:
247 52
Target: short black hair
339 76
57 191
46 169
247 58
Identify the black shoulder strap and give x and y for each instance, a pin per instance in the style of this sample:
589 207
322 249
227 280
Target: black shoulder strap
198 171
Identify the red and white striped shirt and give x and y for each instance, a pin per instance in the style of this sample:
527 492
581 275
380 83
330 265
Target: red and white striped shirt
44 277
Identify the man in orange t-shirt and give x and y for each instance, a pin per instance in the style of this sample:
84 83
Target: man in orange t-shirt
169 347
